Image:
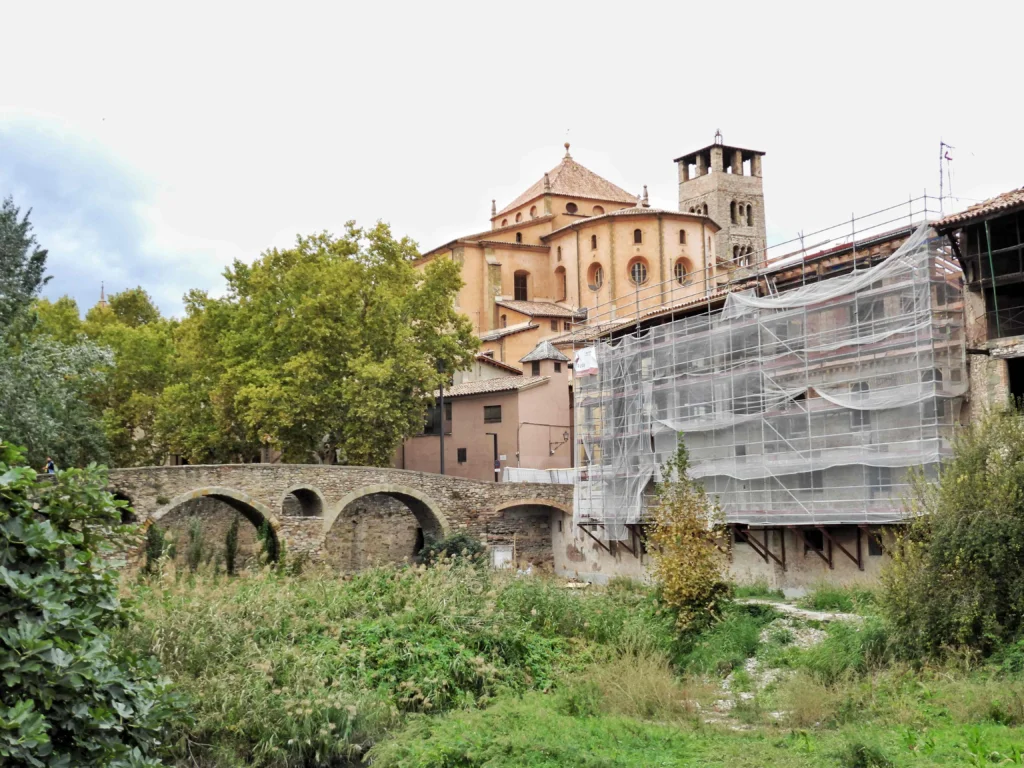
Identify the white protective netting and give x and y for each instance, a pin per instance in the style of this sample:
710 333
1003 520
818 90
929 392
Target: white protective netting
804 408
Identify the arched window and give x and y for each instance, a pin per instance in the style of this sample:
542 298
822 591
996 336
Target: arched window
520 282
593 242
560 283
704 209
519 217
559 252
638 236
504 222
682 237
638 271
533 212
750 216
504 321
736 253
598 210
681 271
595 277
571 208
732 211
519 237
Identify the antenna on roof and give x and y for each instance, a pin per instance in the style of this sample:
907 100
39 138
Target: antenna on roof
494 208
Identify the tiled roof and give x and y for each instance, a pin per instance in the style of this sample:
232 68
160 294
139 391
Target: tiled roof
1004 202
535 308
487 386
498 333
498 364
571 179
545 351
635 211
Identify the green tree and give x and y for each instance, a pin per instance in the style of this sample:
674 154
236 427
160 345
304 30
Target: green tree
67 699
231 547
956 578
328 351
688 560
60 320
142 345
46 381
22 263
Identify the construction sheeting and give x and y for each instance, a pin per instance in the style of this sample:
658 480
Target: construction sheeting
807 407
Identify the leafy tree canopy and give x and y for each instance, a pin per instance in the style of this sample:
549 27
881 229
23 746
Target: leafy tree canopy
328 351
22 263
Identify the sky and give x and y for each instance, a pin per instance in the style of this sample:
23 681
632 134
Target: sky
158 143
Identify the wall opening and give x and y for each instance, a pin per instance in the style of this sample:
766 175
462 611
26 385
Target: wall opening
1015 370
215 514
302 502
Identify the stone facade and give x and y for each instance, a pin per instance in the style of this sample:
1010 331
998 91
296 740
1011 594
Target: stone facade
495 513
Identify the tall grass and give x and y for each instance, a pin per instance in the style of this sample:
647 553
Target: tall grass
827 596
287 671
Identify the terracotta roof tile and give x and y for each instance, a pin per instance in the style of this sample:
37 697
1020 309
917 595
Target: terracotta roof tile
498 333
536 308
487 386
544 351
571 179
1004 202
498 364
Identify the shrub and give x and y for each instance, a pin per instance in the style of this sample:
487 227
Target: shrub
194 553
847 649
155 544
67 700
861 754
957 576
727 644
231 547
460 545
686 559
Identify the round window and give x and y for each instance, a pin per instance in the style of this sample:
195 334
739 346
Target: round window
681 272
638 273
571 208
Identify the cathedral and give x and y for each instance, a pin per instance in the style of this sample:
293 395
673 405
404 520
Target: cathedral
576 250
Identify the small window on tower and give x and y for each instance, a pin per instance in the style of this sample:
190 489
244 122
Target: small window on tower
682 237
558 367
638 236
593 242
519 237
559 251
535 368
750 216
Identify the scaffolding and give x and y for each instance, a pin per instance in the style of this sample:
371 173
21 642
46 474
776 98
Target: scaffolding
802 407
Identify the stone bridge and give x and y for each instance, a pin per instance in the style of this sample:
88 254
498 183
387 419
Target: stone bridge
346 516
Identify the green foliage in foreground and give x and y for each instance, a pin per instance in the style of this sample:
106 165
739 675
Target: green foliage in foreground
457 544
293 671
957 575
66 700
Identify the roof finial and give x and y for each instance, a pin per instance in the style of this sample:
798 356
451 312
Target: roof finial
645 202
547 182
567 149
103 296
718 137
494 208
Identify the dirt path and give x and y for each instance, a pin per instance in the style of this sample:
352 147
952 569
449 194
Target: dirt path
802 613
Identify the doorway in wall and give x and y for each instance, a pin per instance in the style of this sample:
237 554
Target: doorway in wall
1015 369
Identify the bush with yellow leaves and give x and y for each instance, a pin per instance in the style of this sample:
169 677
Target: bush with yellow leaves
685 539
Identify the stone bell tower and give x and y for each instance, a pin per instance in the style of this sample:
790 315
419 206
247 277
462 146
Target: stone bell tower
724 183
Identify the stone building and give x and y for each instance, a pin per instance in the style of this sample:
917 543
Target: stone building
724 183
988 239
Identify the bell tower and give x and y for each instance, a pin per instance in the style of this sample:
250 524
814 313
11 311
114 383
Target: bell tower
724 183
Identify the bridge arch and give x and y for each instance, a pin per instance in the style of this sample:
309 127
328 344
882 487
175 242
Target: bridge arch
252 510
303 501
535 502
425 509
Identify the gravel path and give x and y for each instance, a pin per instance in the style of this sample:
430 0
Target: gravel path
802 613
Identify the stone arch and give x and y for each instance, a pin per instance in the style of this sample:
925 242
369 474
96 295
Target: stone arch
425 509
303 501
523 530
252 510
537 502
128 516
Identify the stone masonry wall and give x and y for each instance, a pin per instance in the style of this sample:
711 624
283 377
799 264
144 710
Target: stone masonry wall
492 512
215 518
